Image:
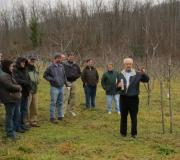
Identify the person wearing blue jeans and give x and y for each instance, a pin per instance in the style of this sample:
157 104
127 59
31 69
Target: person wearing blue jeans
10 96
90 78
91 95
23 111
55 75
109 82
110 99
12 120
20 74
56 101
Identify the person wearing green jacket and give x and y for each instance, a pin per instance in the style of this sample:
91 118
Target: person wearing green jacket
33 97
109 82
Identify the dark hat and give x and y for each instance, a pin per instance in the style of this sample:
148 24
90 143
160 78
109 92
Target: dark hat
5 65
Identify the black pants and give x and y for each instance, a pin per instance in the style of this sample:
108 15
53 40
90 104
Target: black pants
129 105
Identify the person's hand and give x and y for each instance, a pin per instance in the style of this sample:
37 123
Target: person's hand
142 70
19 88
120 85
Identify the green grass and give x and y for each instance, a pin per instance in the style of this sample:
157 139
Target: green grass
94 134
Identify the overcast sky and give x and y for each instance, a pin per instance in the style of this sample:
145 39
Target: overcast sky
4 4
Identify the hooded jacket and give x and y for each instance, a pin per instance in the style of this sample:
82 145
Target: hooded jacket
21 76
9 90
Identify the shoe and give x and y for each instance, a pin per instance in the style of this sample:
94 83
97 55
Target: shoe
73 114
109 112
26 128
20 130
35 125
133 136
52 120
13 138
60 118
123 135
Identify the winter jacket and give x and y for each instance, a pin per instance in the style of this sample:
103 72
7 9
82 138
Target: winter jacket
90 76
1 70
34 77
9 90
55 75
109 82
72 71
22 77
135 79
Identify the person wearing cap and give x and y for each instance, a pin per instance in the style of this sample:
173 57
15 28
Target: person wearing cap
10 95
55 75
32 100
73 72
129 83
21 76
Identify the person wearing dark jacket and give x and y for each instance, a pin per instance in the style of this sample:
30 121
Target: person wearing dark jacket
90 78
55 75
129 84
10 96
20 74
73 72
109 82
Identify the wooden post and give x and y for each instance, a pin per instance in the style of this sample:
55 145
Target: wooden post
162 108
170 100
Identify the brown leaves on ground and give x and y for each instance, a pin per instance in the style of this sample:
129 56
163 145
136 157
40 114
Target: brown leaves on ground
67 148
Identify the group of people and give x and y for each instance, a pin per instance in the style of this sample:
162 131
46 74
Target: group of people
18 92
20 81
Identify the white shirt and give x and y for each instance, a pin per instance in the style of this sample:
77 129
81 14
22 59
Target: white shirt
127 76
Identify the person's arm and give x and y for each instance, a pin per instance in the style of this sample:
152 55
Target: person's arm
97 76
83 76
103 82
7 83
21 81
48 75
79 71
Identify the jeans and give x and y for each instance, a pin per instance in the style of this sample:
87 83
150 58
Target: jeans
56 101
116 100
86 96
23 111
91 95
12 118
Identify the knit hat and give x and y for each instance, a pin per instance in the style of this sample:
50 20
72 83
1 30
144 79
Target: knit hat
5 66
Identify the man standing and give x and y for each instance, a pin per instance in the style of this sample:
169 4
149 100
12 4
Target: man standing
21 76
109 83
73 72
55 75
32 101
90 80
130 82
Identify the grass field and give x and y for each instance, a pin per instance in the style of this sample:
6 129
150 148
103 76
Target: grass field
94 134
